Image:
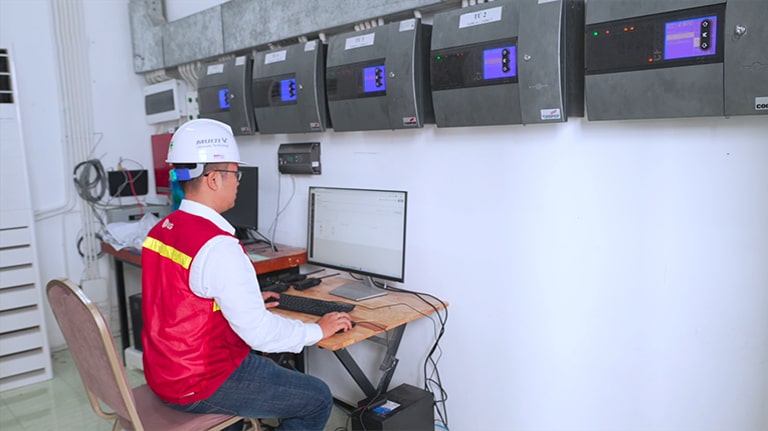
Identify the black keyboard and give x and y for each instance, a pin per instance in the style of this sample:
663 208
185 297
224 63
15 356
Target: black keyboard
318 307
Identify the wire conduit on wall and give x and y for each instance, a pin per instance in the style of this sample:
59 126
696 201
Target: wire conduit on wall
75 85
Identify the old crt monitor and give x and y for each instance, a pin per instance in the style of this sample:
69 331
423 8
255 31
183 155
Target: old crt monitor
244 216
378 78
224 94
289 89
358 230
508 62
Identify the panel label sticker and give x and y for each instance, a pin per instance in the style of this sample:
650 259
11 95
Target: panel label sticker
761 103
480 17
310 46
274 57
407 25
359 41
215 68
550 114
239 61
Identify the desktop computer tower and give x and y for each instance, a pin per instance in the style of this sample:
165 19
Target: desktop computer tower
404 408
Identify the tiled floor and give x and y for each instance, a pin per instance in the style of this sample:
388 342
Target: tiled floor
60 404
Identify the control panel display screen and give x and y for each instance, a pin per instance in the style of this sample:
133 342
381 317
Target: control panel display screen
275 91
288 90
213 99
374 79
224 99
479 64
671 39
356 80
690 38
500 62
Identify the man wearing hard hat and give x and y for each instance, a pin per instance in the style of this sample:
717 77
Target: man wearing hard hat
202 308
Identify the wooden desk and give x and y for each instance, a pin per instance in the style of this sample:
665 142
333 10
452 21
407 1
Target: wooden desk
284 258
381 319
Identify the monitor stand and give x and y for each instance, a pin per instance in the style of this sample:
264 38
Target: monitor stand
244 235
359 291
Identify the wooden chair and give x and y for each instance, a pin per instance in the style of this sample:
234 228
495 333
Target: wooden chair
104 376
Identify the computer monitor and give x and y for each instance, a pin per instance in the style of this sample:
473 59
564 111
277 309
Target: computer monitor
358 230
244 216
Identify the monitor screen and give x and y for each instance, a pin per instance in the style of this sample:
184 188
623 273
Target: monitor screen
244 216
358 230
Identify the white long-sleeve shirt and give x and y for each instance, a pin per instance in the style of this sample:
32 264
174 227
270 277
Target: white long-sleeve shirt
223 272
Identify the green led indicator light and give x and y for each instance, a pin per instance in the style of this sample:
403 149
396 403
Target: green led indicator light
595 33
439 57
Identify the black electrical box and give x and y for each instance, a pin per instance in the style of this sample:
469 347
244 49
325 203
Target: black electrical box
404 408
301 158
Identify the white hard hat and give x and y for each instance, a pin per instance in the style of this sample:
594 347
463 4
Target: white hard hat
201 141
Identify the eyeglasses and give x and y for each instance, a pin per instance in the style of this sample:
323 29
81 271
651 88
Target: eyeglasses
238 174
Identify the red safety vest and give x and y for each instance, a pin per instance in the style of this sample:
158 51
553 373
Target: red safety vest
189 348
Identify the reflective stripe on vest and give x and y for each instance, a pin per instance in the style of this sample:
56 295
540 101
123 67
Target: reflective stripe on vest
168 252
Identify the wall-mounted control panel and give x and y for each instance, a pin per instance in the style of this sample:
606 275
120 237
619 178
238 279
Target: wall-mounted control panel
165 101
378 79
302 158
508 62
673 39
224 94
289 89
687 58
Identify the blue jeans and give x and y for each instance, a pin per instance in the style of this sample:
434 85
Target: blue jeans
260 388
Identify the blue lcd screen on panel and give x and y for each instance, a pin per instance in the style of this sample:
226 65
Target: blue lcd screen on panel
500 62
690 38
288 90
224 98
374 79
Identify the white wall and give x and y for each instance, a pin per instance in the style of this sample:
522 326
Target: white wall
627 260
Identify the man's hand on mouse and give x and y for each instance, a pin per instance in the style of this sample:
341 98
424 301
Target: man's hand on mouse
268 295
332 323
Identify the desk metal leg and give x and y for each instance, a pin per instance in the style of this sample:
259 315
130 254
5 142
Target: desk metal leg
388 364
122 306
354 370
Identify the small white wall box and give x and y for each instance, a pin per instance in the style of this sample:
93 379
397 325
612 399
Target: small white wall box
165 101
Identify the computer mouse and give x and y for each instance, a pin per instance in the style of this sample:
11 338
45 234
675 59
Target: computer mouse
341 331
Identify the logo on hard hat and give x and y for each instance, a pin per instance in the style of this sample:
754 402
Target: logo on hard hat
211 141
